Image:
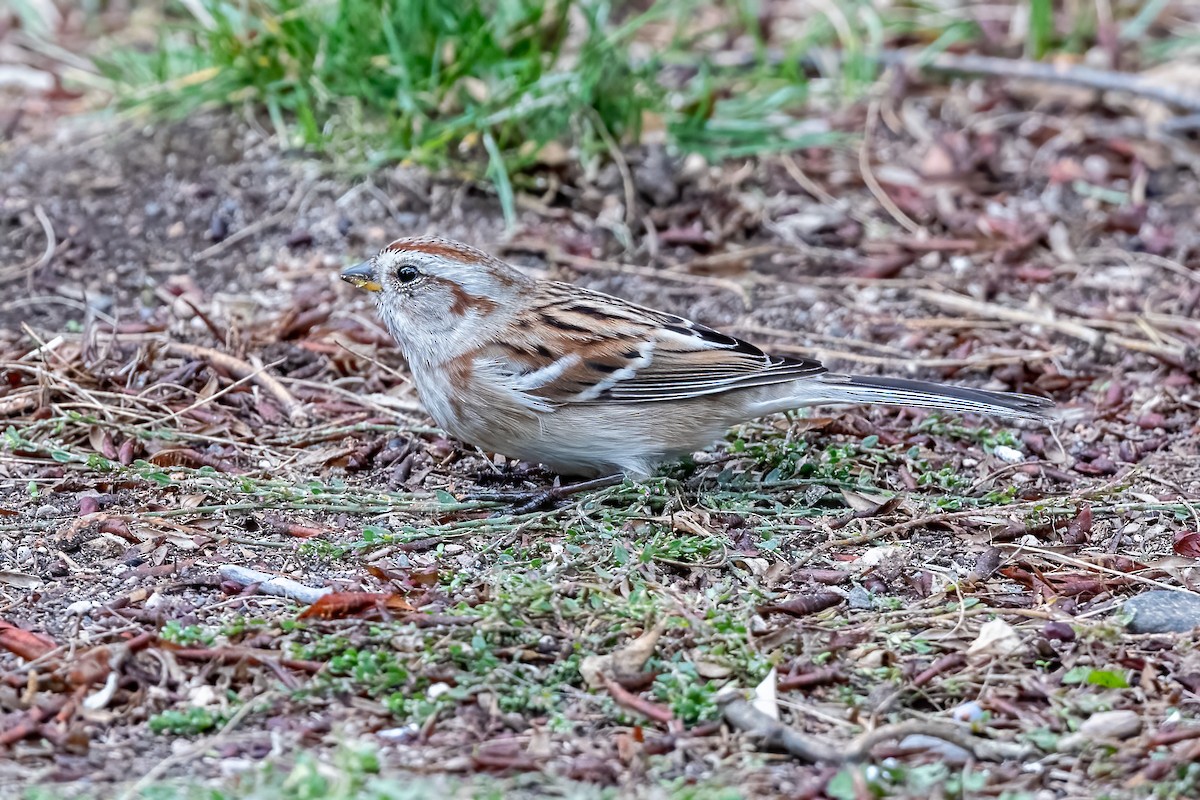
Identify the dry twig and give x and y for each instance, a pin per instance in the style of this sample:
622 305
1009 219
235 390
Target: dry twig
775 735
272 584
1057 72
240 369
1073 328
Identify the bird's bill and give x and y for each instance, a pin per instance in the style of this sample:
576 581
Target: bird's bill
363 276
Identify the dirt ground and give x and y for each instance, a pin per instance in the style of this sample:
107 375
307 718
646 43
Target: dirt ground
891 567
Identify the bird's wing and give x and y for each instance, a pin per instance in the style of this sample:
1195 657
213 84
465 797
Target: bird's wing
579 346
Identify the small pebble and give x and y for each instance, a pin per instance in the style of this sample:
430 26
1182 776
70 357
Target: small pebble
399 735
81 607
1106 725
967 712
860 598
1163 611
1058 630
1008 454
1122 724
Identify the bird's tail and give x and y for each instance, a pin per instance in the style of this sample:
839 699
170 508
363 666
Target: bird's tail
836 389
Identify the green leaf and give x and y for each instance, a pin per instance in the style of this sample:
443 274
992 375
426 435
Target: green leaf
1041 27
498 172
841 786
1044 739
1075 675
1109 679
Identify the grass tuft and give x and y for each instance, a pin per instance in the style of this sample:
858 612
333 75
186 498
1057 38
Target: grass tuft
419 78
488 83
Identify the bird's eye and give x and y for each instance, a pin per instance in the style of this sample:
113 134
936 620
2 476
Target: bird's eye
407 274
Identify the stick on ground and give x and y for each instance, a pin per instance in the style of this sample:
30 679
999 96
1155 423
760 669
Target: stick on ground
240 369
775 735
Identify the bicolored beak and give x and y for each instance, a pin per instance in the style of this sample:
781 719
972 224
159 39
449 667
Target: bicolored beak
363 276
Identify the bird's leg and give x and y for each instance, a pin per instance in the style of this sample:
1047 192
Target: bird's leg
527 502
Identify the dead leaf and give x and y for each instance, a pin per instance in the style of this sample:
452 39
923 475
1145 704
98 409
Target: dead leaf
502 756
864 503
765 699
22 580
711 670
996 639
90 667
809 424
102 442
803 606
1187 544
339 605
1079 529
624 662
24 644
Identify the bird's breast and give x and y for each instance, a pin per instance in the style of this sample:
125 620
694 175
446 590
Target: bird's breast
471 405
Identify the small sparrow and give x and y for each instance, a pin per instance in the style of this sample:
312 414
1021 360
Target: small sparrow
589 384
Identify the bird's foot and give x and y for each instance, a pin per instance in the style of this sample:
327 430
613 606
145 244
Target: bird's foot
512 474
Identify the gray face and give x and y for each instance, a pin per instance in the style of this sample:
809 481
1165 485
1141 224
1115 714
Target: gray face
435 295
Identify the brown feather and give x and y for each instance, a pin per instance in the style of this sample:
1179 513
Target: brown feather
633 354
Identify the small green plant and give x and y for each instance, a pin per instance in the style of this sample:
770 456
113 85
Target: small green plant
691 698
1106 678
187 636
191 722
899 779
987 438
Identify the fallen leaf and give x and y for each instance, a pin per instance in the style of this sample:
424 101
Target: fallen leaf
1187 544
765 699
22 580
624 662
803 606
90 667
996 639
1119 724
338 605
502 756
1079 529
809 424
24 644
102 442
711 670
863 503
